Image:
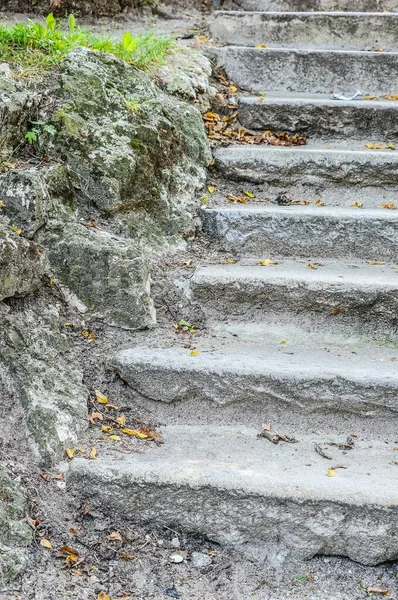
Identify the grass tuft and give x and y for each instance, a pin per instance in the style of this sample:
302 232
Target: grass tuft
36 47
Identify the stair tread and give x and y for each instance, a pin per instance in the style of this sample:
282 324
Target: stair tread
335 212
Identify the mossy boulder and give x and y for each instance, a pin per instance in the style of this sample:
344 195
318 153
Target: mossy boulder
106 272
15 533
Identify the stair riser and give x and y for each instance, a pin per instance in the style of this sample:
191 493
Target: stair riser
362 309
314 72
316 5
338 177
308 236
272 390
316 30
274 528
330 118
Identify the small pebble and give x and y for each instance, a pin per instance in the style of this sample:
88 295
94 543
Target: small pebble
200 560
176 558
175 543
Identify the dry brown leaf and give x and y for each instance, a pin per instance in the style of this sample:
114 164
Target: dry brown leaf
121 420
237 199
378 590
96 416
393 97
375 262
312 266
68 550
103 596
115 537
389 205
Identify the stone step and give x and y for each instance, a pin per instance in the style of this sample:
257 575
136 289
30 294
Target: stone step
329 30
322 232
319 5
358 298
334 175
313 71
273 502
321 116
327 380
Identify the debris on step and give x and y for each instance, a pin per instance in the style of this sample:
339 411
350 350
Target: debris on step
275 437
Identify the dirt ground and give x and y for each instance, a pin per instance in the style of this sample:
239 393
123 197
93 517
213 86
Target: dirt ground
134 561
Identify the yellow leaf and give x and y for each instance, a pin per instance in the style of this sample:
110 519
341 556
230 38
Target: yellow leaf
101 398
115 438
230 261
378 50
203 38
85 333
375 262
121 420
233 89
103 596
375 146
70 453
2 205
71 559
46 543
52 282
211 189
93 453
135 433
283 342
319 203
106 429
369 97
331 473
357 204
91 336
312 266
261 46
16 229
391 97
248 194
267 262
194 353
391 146
262 97
389 205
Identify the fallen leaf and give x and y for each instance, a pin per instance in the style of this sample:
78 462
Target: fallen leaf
115 537
101 398
135 433
261 46
375 146
248 194
312 266
283 342
71 560
336 310
115 438
85 333
233 89
377 590
16 229
331 473
93 453
70 453
68 550
375 262
393 97
357 204
389 205
267 262
126 556
106 428
230 261
51 282
211 189
194 353
369 97
103 596
391 146
121 420
96 416
319 203
237 199
46 543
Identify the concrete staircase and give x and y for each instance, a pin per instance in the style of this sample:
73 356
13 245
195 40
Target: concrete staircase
307 342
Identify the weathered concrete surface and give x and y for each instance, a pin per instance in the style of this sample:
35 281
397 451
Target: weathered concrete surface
316 5
17 106
15 533
309 173
304 231
315 71
310 380
323 117
109 274
273 502
366 296
356 31
22 264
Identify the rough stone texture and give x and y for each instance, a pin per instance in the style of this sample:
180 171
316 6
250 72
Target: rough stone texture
366 296
321 117
305 231
22 264
107 273
187 76
337 175
315 5
307 30
313 380
98 8
17 106
34 196
15 533
130 149
270 501
34 364
315 71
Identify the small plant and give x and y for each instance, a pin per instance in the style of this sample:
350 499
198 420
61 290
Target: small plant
37 46
34 134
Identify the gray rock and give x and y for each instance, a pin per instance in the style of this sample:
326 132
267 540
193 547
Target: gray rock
316 5
107 273
200 560
22 264
15 533
17 106
35 367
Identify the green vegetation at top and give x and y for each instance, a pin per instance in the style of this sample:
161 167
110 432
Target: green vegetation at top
34 47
